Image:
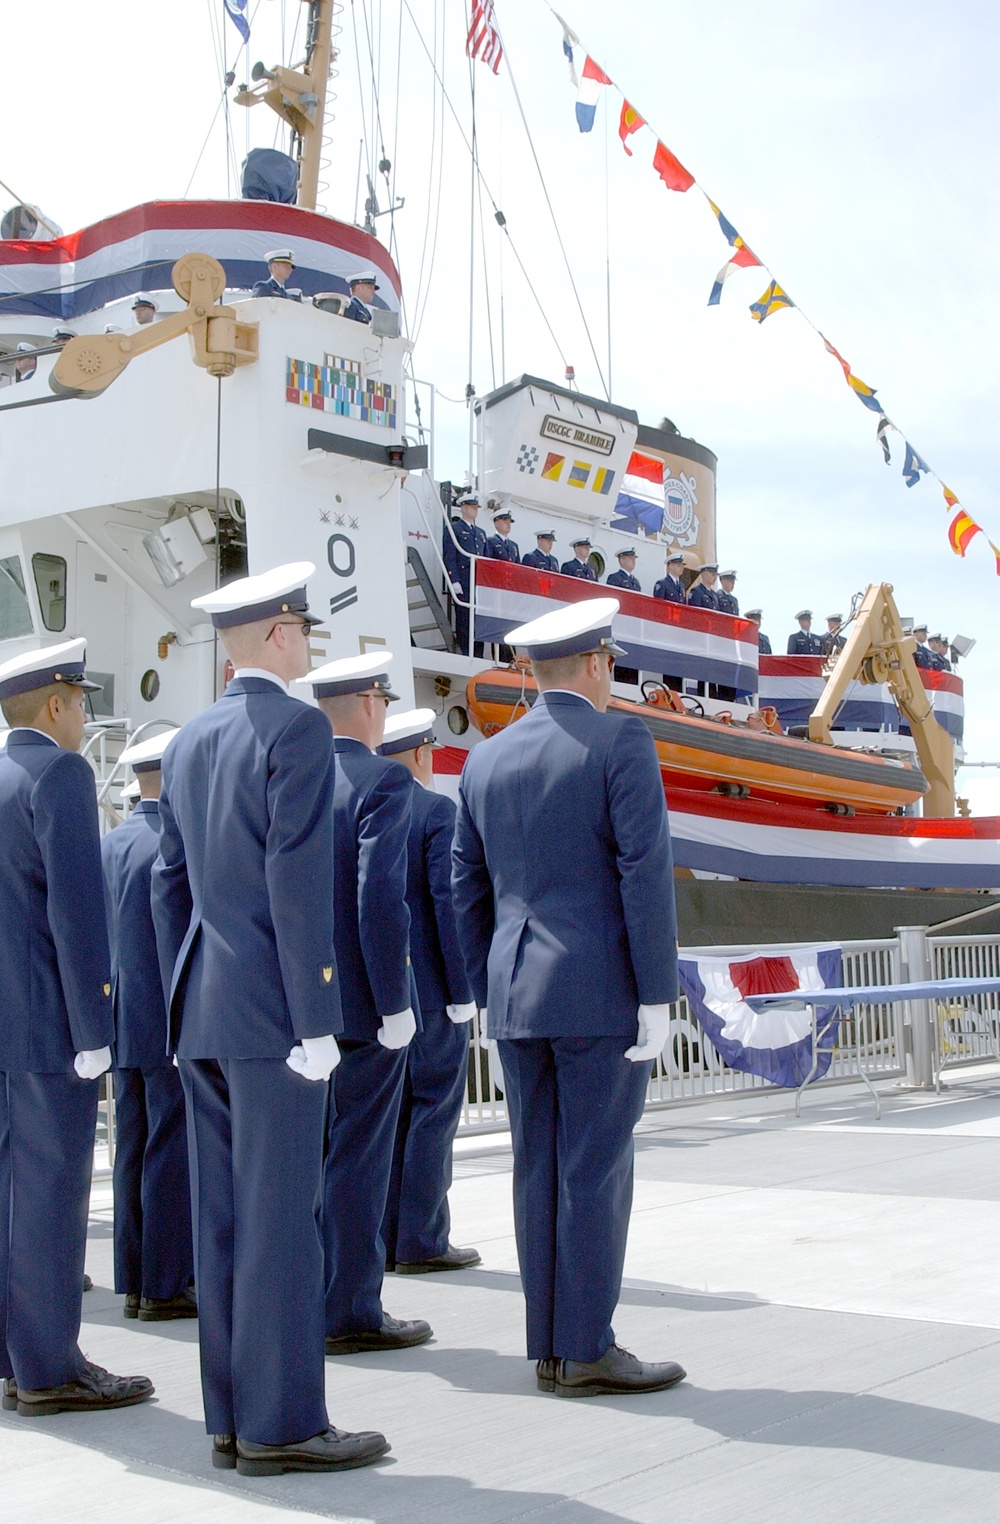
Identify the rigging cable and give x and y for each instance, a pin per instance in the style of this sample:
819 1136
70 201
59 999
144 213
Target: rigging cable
437 148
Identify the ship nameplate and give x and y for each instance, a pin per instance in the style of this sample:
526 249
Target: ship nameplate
577 435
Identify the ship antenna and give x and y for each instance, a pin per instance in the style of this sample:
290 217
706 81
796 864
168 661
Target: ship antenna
298 96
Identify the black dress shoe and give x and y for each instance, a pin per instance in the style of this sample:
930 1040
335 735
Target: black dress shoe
224 1452
395 1333
154 1310
131 1308
88 1284
333 1450
451 1259
616 1373
545 1371
9 1399
94 1389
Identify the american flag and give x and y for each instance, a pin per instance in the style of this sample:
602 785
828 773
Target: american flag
483 41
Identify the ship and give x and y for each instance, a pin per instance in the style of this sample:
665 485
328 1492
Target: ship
143 466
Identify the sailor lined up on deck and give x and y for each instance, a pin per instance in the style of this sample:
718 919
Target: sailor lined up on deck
580 565
363 287
280 264
500 546
542 558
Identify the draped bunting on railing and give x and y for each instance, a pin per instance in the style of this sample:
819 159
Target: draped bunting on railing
589 84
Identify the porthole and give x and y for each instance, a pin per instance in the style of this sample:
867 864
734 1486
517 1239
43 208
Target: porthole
149 687
458 720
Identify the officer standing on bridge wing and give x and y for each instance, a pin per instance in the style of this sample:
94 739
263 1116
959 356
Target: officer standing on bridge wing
371 822
154 1258
56 1030
243 908
472 541
580 565
280 264
542 558
670 587
804 642
763 643
417 1221
564 897
625 577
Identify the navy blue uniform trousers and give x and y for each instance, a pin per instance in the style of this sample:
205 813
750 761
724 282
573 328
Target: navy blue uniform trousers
366 1090
255 1140
153 1251
417 1221
574 1102
47 1125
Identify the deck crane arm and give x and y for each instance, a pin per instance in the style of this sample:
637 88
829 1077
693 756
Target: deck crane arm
879 651
219 341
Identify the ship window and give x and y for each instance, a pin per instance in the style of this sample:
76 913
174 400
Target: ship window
50 580
15 615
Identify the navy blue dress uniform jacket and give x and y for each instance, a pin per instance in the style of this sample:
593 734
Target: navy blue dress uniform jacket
670 590
581 569
540 560
500 548
246 948
702 597
272 287
569 938
626 580
128 853
726 603
472 540
356 311
763 645
438 960
55 970
371 819
804 643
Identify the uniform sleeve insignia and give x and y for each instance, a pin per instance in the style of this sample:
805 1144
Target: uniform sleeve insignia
106 988
327 974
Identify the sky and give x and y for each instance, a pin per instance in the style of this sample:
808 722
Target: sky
854 147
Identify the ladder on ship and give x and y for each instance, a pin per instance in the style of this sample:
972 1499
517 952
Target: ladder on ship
426 611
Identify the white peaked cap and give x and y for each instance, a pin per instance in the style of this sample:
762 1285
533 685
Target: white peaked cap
130 792
570 631
407 731
64 663
351 674
148 754
280 591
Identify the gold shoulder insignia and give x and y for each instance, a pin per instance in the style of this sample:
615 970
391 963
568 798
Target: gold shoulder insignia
106 988
327 975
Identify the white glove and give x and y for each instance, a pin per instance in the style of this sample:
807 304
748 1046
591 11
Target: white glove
460 1014
315 1058
654 1029
396 1031
456 590
92 1063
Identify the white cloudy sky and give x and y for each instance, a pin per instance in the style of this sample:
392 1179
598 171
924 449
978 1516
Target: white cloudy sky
854 146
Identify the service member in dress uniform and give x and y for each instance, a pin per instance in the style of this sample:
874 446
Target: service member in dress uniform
542 558
703 594
763 644
804 642
243 894
922 654
371 822
154 1259
472 541
56 1030
833 640
280 264
580 565
939 652
624 576
362 287
500 546
564 897
417 1221
670 587
144 310
725 599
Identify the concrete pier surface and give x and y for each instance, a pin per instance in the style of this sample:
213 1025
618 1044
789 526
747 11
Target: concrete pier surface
832 1286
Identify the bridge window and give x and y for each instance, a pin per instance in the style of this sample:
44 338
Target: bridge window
15 615
50 580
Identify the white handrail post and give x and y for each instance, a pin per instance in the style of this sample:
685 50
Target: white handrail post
918 1015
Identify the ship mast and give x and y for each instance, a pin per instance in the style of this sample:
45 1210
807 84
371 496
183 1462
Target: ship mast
298 96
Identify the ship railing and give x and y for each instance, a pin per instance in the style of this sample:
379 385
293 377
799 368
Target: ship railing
104 744
965 1031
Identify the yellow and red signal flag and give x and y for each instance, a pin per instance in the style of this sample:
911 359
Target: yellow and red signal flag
630 122
670 169
950 499
996 553
961 532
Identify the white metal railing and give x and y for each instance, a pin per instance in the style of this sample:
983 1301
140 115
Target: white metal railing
965 1031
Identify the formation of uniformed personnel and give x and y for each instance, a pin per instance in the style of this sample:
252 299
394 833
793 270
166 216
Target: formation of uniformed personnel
56 1031
541 558
362 287
702 593
415 1229
563 886
153 1255
472 541
280 264
833 640
247 841
725 600
670 587
804 642
500 546
371 821
624 577
763 644
580 565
